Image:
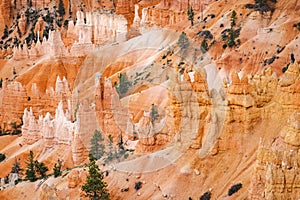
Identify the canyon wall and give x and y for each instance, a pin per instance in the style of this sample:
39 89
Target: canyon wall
5 14
14 98
276 172
60 130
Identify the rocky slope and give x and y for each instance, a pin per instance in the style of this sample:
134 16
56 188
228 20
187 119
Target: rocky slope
211 115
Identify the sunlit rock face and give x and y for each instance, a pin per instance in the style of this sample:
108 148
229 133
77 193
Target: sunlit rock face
55 131
52 47
14 98
277 166
169 12
5 13
96 28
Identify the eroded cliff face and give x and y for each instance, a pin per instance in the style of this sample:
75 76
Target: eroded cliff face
277 167
15 98
5 14
189 114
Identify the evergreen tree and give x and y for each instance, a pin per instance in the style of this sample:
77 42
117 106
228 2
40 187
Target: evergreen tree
16 167
29 3
97 149
41 168
233 19
111 150
57 168
191 15
153 114
61 8
204 46
183 41
15 4
2 157
30 171
5 32
95 187
231 40
123 86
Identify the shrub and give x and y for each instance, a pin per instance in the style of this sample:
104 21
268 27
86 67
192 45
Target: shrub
5 32
16 167
2 157
206 196
138 185
57 168
206 34
234 189
285 68
41 168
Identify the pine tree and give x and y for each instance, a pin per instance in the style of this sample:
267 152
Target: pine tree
61 8
204 46
233 19
57 168
97 149
191 15
183 41
29 3
16 167
95 187
5 32
231 40
111 150
153 114
123 86
41 168
15 4
30 171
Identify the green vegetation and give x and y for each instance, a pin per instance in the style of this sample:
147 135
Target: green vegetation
57 168
95 188
29 3
41 168
34 167
61 8
191 15
204 46
97 148
183 41
206 196
2 157
297 26
262 6
16 168
16 128
284 69
230 35
138 185
234 189
233 19
30 171
153 113
5 32
123 86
